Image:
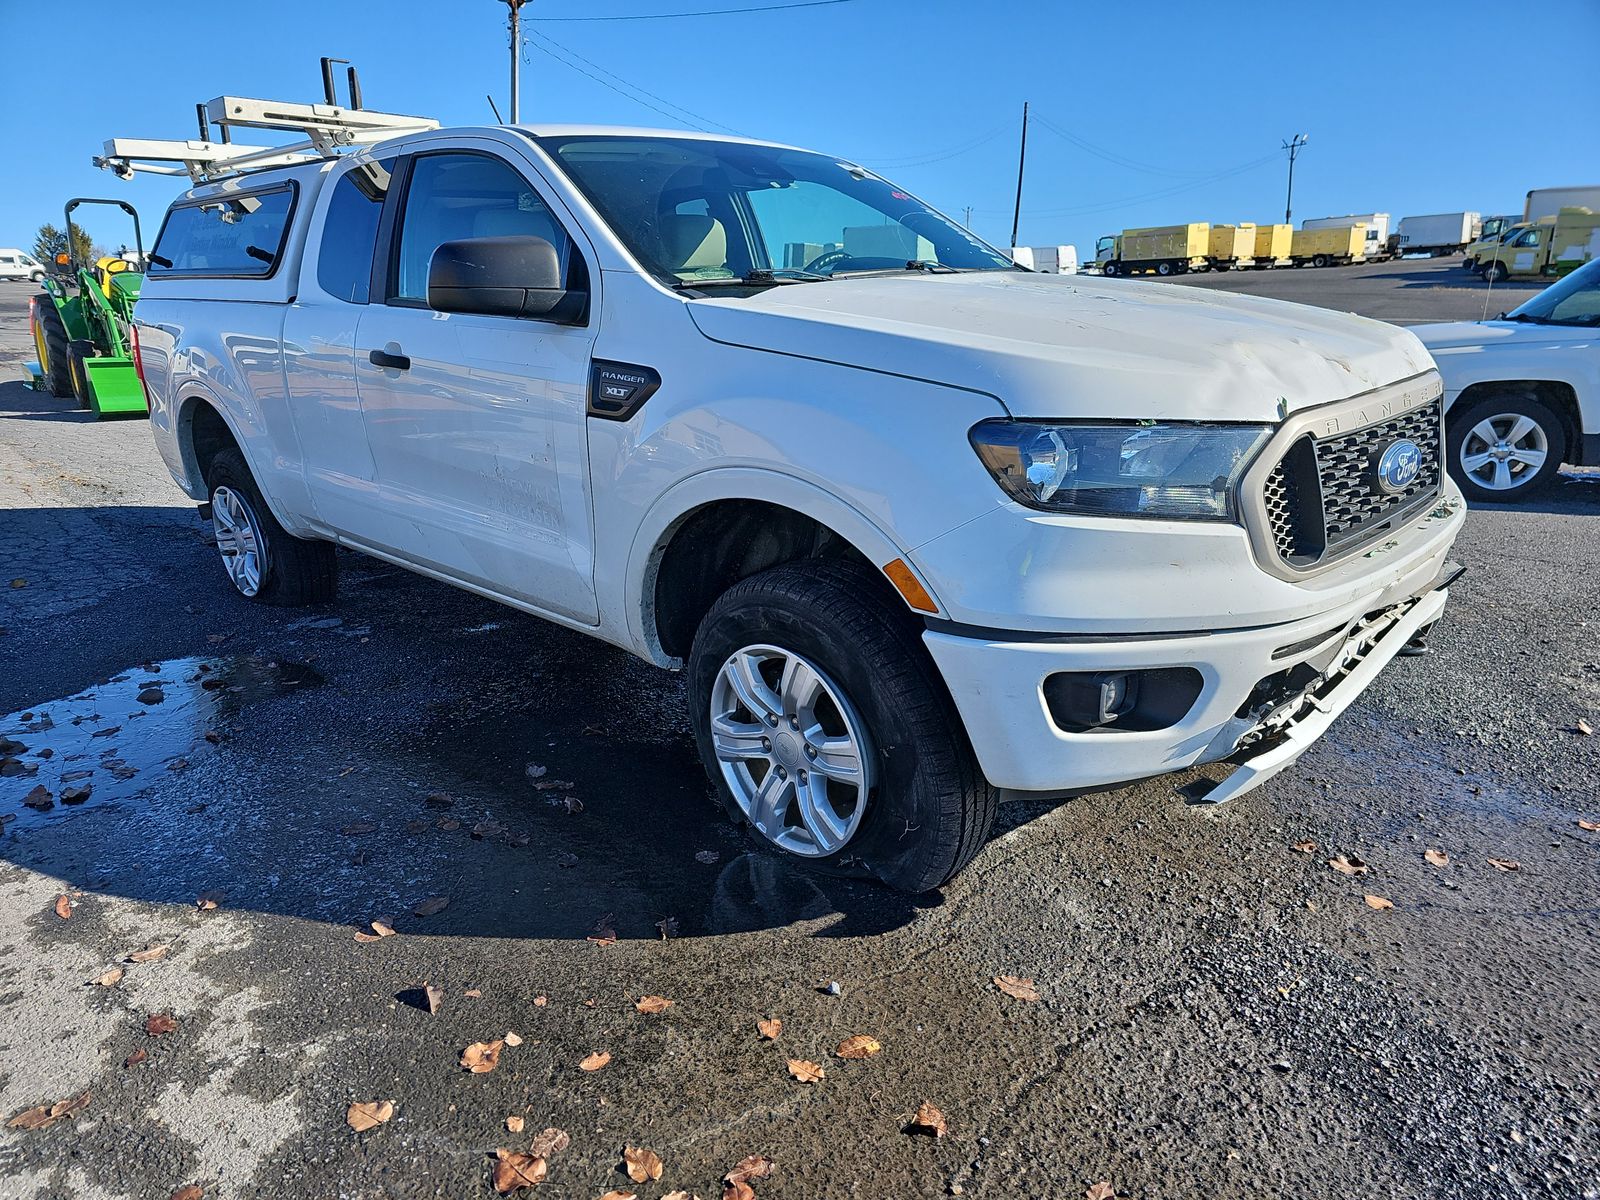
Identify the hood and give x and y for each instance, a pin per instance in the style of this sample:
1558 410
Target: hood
1457 335
1074 346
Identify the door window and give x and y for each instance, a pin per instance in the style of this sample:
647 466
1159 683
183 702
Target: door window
456 196
350 231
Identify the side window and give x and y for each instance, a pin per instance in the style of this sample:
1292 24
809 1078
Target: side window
350 231
455 196
226 236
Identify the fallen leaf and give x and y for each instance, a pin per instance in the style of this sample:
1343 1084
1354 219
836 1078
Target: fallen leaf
540 1001
1505 864
363 936
190 1191
134 1059
734 1190
1591 826
1100 1191
1584 727
1437 857
157 1024
535 771
679 1195
858 1046
572 804
1378 902
473 994
770 1028
706 856
806 1071
19 583
618 1194
515 1123
754 1166
549 1142
513 1039
63 906
357 828
383 927
369 1114
448 824
111 978
512 1172
1348 865
438 800
42 1115
1017 987
644 1166
76 794
930 1118
149 953
432 996
595 1061
482 1057
1305 847
652 1004
430 906
39 799
206 901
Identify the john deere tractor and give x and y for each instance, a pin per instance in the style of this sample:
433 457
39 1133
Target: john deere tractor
83 325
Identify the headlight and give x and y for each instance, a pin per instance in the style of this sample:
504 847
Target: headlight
1184 471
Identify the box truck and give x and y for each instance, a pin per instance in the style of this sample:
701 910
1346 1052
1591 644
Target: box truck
1164 249
1051 260
1337 245
1377 226
1548 202
1232 246
1494 231
1272 245
1438 233
1550 246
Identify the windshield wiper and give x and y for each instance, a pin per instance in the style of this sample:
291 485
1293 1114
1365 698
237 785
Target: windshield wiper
756 278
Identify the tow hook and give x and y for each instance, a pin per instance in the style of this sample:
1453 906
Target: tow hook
1418 646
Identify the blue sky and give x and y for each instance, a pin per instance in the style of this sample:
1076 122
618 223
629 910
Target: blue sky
1148 113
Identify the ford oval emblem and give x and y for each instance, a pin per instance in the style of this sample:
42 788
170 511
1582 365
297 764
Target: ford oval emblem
1399 465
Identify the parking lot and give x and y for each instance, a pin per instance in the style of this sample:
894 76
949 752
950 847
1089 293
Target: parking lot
1219 1011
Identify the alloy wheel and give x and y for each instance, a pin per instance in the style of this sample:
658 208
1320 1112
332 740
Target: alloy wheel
791 749
1503 452
239 539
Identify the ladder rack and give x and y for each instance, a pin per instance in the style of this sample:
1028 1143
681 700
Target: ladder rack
325 130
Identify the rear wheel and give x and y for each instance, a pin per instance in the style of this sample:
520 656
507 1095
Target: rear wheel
1319 260
1166 268
77 353
264 561
1505 447
825 727
50 340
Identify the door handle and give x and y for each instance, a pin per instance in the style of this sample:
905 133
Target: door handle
382 358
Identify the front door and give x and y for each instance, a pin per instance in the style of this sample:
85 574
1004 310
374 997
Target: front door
476 422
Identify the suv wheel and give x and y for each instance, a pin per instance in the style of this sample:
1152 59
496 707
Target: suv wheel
825 727
1505 447
263 560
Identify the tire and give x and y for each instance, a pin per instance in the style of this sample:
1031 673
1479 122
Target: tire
1496 272
1319 260
78 374
263 561
926 808
1166 268
50 339
1504 478
1111 269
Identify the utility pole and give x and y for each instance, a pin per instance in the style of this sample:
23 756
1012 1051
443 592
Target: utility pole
1293 146
515 7
966 221
1022 159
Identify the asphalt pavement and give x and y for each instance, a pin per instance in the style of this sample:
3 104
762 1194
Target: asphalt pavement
1218 1013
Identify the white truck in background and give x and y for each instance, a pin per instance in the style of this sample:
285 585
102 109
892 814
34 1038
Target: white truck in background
1050 260
1548 202
1438 234
1377 231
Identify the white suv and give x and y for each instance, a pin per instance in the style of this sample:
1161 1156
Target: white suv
924 528
14 264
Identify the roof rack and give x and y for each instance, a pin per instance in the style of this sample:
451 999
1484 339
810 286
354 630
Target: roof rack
325 130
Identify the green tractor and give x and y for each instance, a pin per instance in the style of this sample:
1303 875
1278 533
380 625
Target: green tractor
83 326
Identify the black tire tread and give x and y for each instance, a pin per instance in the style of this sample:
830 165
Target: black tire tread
58 379
844 596
299 571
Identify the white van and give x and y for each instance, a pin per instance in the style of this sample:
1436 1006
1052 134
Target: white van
15 264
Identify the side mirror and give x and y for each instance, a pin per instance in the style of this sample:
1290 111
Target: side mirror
501 277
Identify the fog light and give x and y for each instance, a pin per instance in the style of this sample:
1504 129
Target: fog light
1089 700
1121 701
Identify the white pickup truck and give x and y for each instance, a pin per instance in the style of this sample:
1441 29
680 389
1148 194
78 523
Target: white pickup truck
924 528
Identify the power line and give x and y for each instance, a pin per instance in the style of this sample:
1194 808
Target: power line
1086 210
1109 155
933 156
693 116
707 12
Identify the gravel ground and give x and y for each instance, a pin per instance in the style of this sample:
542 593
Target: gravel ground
1218 1014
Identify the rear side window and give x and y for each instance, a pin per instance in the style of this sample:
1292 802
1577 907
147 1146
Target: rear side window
350 231
233 236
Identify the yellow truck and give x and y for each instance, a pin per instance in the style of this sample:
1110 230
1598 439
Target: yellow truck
1333 246
1272 245
1495 230
1550 246
1164 249
1232 246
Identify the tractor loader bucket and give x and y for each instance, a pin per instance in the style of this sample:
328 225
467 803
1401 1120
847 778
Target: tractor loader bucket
114 387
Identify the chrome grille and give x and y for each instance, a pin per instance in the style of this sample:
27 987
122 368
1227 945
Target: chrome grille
1322 497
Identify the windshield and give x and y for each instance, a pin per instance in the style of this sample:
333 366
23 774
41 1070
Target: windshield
1574 300
698 212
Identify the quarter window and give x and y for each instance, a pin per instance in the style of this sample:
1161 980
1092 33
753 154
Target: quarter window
350 231
237 235
452 197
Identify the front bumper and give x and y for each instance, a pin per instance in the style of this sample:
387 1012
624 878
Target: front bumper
998 686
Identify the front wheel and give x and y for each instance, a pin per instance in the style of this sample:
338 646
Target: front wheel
1505 447
826 728
263 560
1319 260
1496 272
1111 270
1166 268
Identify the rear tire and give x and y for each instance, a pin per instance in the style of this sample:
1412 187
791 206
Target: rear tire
1166 268
264 561
924 808
1319 260
78 374
50 338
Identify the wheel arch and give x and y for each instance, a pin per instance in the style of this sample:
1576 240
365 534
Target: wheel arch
718 527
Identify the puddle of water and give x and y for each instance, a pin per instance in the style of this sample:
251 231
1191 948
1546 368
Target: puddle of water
112 740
